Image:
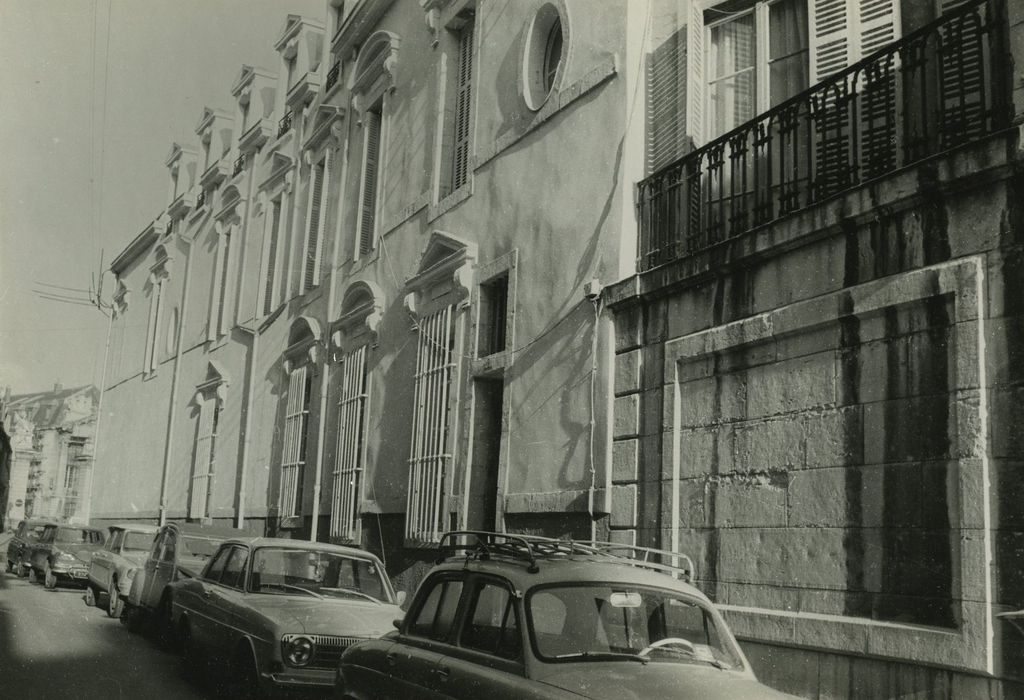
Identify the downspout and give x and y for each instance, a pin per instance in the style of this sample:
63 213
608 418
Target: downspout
175 377
325 374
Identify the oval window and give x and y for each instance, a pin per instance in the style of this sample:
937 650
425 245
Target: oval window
543 59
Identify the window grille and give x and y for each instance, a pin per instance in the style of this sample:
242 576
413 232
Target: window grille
205 459
368 199
275 224
312 262
294 452
351 437
463 101
430 454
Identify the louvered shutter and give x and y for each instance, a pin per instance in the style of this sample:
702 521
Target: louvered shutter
962 77
460 164
829 37
311 267
368 202
349 457
695 80
666 101
222 300
275 223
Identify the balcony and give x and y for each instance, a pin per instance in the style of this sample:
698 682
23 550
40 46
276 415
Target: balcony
934 90
332 76
215 174
201 199
239 165
285 124
255 136
304 90
181 205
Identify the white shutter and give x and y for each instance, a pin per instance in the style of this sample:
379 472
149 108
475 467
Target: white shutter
695 81
351 440
879 25
293 454
311 263
829 36
204 459
368 196
275 223
222 294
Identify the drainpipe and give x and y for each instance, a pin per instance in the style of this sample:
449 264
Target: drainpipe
172 409
325 373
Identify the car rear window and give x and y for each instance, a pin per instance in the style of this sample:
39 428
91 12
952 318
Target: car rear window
138 541
74 535
200 546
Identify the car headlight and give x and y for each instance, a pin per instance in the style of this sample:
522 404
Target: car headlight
297 651
65 558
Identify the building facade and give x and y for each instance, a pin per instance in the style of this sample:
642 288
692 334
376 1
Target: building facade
733 278
51 436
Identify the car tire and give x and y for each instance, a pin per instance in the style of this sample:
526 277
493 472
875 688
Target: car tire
33 577
115 603
91 596
49 578
134 618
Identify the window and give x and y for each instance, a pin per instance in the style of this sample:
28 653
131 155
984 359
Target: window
755 59
272 263
318 187
492 623
216 567
543 57
169 547
294 454
493 316
234 570
435 617
369 187
459 129
205 458
220 308
351 436
157 282
430 454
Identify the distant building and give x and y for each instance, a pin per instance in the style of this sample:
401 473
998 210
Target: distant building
741 278
51 437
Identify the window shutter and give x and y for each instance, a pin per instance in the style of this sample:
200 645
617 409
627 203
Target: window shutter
225 260
204 459
275 223
963 75
879 25
368 204
829 37
349 457
156 324
313 241
460 163
695 81
666 101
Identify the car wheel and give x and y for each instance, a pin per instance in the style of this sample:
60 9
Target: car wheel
49 578
246 675
115 603
91 595
163 625
19 570
32 576
134 618
192 662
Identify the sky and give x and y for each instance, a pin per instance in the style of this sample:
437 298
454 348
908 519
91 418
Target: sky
92 96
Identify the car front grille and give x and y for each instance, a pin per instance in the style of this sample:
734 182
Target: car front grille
329 649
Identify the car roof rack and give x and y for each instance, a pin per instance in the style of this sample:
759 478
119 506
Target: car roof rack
532 548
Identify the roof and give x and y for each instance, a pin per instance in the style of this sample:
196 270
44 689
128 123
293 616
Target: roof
73 526
135 527
304 545
48 409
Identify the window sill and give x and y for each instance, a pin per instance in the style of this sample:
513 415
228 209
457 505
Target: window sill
451 201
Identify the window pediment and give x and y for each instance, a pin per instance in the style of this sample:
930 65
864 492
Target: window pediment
214 386
448 261
230 198
375 68
303 340
326 122
362 308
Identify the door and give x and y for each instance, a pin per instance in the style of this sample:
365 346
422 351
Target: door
199 602
102 564
488 659
159 569
226 615
413 663
488 397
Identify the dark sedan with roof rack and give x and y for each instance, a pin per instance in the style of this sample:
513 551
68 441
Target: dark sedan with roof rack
506 616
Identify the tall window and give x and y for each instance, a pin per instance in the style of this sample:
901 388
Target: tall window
317 189
755 59
220 308
157 281
431 450
351 435
293 458
76 467
272 251
205 458
368 193
463 105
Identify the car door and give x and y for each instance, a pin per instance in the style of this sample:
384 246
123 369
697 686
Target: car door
38 551
487 658
412 664
226 607
196 597
103 560
153 584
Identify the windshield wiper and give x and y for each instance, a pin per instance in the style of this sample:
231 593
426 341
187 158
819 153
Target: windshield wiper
354 591
603 656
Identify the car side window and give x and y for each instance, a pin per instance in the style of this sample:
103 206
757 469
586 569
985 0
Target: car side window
216 567
170 545
114 543
492 622
234 571
437 613
158 545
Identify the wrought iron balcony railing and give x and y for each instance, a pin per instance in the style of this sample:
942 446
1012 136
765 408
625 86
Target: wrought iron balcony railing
285 124
332 75
239 164
937 88
201 199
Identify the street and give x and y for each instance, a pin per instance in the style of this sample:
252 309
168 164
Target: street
53 646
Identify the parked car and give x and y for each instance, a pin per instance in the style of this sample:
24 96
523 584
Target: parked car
179 550
63 553
280 612
25 535
113 567
526 617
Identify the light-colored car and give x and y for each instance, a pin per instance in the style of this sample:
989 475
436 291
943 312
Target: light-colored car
179 550
112 568
280 612
527 617
25 536
63 553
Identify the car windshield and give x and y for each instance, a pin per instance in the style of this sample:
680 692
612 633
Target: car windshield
137 541
74 535
279 570
33 534
609 621
198 546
